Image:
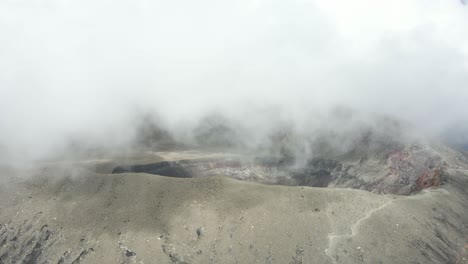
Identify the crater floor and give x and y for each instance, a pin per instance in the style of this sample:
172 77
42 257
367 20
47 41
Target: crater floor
403 170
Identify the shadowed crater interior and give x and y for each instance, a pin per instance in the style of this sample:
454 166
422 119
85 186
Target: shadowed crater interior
318 172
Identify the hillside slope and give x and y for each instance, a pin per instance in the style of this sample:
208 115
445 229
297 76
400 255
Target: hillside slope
69 214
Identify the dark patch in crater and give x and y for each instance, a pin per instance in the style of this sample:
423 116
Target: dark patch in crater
164 168
178 169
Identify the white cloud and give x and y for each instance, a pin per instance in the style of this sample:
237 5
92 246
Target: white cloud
71 67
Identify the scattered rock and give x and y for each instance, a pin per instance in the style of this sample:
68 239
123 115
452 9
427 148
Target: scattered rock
200 231
298 258
129 253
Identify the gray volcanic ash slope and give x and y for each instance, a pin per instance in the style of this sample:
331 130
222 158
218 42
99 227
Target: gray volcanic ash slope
79 212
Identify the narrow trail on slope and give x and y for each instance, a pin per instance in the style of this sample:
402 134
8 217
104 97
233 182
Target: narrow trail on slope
335 238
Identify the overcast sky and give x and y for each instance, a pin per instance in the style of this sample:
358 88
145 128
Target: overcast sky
85 67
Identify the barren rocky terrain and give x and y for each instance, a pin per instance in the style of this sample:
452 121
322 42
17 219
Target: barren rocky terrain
409 206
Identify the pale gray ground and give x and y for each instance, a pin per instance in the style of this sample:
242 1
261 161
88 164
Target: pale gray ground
70 214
